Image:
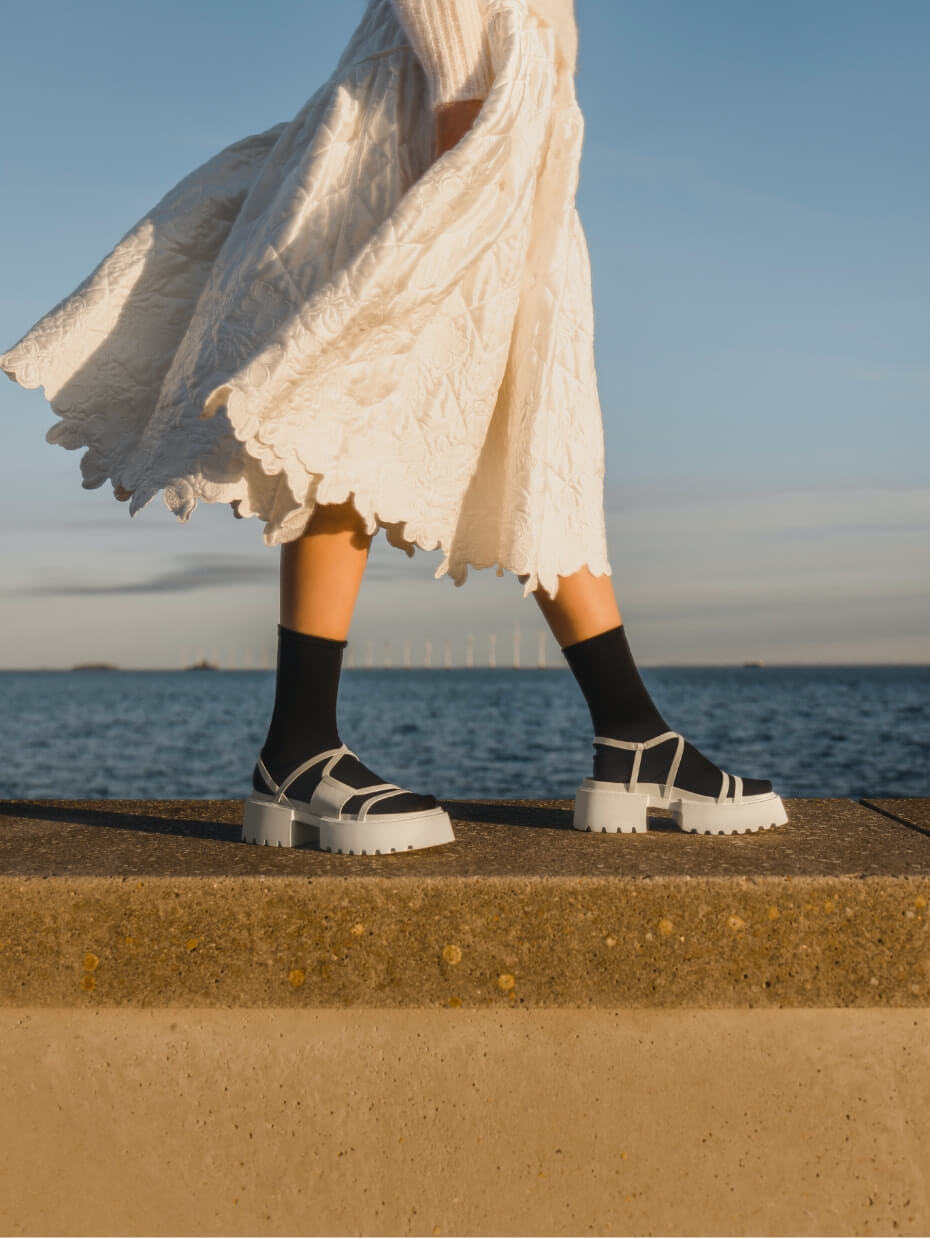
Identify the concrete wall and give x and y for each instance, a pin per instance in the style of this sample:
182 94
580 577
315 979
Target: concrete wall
532 1032
210 1121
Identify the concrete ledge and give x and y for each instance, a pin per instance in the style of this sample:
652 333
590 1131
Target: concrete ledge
146 904
532 1031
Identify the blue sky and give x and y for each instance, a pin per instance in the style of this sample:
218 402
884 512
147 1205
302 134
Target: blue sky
755 192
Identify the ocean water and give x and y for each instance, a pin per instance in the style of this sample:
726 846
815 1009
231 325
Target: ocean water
459 734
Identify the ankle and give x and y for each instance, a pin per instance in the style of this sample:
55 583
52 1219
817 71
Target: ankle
309 640
584 606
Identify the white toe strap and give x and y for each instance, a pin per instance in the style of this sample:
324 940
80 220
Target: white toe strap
374 799
332 795
725 787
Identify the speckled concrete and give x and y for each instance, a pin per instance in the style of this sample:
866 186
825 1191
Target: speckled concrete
157 904
213 1122
494 838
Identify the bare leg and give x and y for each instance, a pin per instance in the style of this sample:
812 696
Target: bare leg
584 606
321 572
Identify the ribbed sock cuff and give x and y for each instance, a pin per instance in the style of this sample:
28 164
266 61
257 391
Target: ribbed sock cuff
304 638
601 636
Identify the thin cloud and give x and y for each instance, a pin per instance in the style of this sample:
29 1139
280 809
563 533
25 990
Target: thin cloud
65 525
196 572
199 572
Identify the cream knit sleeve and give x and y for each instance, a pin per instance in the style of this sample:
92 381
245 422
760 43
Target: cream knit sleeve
451 42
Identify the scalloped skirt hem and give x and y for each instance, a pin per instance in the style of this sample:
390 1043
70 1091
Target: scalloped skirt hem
326 295
182 496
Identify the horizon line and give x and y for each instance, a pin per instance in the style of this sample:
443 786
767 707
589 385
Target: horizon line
761 666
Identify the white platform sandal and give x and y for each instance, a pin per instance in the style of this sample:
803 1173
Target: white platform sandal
621 808
273 820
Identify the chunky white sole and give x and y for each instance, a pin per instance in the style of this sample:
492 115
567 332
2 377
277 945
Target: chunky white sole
273 820
609 808
273 824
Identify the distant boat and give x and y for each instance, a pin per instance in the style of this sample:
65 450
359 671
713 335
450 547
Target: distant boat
95 666
752 665
203 665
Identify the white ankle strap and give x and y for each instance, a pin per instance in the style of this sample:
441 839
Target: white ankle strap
334 754
640 746
638 743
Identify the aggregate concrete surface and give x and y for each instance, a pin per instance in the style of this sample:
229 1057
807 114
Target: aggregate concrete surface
157 903
528 839
912 812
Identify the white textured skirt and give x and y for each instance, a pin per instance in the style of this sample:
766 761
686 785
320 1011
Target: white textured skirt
320 312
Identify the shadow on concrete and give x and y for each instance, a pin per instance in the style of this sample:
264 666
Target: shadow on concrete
536 815
221 820
904 811
124 818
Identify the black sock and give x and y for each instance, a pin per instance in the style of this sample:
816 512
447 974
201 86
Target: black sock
621 708
303 723
619 701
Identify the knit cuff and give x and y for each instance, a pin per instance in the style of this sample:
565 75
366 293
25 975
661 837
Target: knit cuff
451 42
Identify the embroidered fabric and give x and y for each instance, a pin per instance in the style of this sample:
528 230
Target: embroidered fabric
319 312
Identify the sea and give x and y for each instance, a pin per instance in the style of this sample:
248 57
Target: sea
833 731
